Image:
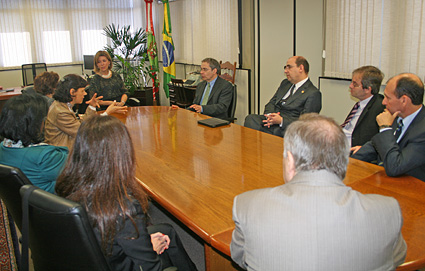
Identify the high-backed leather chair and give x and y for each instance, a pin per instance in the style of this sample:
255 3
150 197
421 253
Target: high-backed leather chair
183 96
11 180
60 234
228 71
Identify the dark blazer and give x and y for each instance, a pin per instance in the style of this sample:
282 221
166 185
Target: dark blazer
219 99
366 126
306 99
405 157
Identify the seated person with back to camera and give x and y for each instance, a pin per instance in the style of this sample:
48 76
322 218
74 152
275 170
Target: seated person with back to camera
213 95
115 201
45 84
295 96
21 126
314 221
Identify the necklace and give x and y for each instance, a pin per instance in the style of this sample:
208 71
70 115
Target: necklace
108 75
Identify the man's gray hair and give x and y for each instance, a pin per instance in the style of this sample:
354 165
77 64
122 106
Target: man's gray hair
317 142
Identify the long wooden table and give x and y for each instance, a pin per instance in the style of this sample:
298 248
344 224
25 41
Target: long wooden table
195 171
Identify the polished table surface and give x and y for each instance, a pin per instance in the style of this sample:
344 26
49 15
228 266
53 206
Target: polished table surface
195 171
7 95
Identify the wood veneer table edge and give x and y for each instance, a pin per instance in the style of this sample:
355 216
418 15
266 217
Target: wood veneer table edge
176 213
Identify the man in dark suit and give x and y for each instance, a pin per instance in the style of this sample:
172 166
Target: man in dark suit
400 144
296 95
360 125
214 94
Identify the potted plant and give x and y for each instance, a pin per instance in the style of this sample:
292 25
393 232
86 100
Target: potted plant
128 51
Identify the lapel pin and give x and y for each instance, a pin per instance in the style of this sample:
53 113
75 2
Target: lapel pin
302 91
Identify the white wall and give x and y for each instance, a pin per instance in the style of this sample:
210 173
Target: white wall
276 41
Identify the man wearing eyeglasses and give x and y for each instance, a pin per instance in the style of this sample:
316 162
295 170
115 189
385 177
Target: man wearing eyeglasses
360 125
400 144
295 96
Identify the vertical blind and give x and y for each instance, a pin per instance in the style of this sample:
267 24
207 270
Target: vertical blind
62 31
59 31
202 28
385 33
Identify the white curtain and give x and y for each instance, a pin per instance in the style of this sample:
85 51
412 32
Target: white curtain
388 34
200 29
60 31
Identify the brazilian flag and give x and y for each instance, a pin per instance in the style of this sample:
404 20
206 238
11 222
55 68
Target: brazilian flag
169 64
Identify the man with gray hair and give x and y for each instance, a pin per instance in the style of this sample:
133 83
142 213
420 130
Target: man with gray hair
314 221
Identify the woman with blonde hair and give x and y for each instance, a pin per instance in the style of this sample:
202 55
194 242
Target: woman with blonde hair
106 82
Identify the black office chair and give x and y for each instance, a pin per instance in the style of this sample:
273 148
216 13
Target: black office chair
11 180
232 108
60 234
30 71
183 96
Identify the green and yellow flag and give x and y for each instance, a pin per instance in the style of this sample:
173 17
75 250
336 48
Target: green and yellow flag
168 62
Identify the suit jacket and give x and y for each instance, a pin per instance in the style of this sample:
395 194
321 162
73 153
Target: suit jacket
315 222
405 157
219 100
306 99
366 126
62 125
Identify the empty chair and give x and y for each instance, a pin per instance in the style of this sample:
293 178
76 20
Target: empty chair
228 71
30 71
183 96
60 234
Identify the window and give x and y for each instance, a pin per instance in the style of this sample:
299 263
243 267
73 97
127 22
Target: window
60 31
14 48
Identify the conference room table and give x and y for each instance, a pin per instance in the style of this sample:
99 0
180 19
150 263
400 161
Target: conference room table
195 171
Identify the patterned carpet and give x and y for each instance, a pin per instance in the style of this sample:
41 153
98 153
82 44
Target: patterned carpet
7 240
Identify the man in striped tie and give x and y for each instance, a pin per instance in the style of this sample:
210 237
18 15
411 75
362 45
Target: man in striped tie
360 125
295 96
400 144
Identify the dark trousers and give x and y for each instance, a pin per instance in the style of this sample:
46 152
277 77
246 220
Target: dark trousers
255 122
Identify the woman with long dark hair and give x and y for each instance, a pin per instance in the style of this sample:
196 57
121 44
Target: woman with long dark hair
100 175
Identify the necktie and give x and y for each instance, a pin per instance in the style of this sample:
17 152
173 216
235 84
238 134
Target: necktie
206 95
351 114
397 132
291 91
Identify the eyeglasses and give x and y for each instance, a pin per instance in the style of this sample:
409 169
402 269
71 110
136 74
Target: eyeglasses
287 67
